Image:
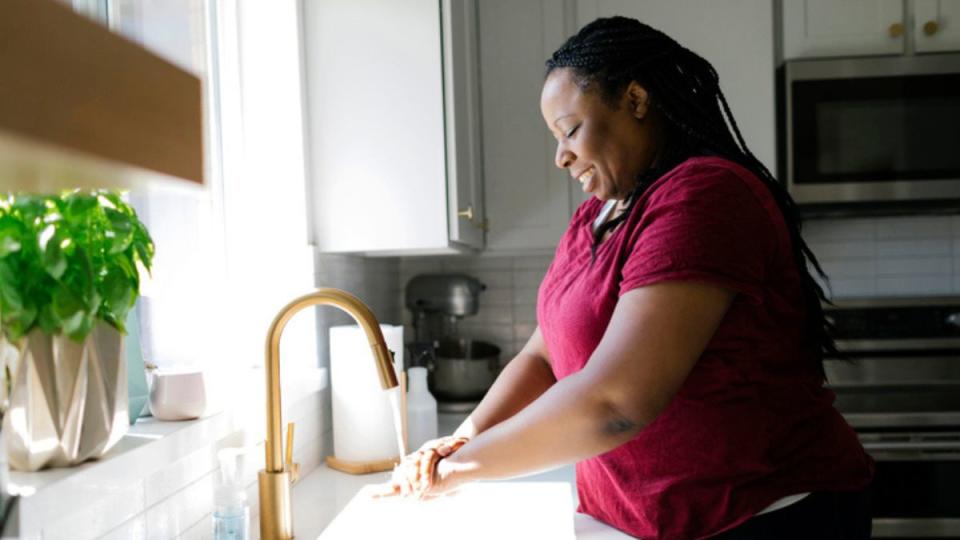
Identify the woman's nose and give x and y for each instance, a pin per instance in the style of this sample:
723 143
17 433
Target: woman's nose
564 157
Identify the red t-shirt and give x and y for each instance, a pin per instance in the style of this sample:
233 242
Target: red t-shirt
752 423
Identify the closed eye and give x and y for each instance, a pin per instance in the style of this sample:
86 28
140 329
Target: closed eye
572 131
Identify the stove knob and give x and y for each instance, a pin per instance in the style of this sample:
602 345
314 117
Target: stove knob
953 320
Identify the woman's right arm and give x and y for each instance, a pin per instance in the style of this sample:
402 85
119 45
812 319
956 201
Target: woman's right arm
523 380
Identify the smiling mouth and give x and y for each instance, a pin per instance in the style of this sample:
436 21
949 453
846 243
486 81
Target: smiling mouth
586 179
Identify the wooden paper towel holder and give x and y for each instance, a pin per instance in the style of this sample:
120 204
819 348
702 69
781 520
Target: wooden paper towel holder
374 466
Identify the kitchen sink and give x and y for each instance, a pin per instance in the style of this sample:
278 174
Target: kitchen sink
481 510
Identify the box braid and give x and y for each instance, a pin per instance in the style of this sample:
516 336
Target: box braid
609 53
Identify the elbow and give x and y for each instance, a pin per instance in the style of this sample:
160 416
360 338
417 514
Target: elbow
619 423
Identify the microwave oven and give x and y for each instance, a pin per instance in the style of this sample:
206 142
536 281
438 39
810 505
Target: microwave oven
881 130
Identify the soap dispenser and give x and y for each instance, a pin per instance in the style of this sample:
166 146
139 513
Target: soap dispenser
421 409
231 512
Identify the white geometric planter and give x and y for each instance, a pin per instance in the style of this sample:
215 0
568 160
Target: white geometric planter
68 401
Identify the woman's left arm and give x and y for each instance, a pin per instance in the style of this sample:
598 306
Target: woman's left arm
655 337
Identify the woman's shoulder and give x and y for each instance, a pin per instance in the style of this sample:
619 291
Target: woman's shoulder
717 180
706 170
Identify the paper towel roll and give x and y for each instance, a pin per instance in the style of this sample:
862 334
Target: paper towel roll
363 427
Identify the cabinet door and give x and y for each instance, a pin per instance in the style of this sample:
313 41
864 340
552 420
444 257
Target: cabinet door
936 25
375 106
462 103
743 58
823 28
527 195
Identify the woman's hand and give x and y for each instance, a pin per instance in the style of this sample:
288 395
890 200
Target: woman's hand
416 475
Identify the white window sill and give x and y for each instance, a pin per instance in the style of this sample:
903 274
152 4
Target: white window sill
153 445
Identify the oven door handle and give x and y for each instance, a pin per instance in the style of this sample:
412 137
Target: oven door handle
886 446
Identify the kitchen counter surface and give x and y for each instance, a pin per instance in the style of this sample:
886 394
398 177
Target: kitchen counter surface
323 494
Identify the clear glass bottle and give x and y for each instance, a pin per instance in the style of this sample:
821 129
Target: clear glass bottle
231 512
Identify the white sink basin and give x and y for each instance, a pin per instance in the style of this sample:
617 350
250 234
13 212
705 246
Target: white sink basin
486 510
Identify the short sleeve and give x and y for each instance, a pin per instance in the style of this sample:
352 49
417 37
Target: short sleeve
705 224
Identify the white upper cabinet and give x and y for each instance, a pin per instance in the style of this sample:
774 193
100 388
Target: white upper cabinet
394 149
827 28
528 197
821 28
936 25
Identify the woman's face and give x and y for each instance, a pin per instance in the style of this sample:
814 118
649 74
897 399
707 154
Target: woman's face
605 148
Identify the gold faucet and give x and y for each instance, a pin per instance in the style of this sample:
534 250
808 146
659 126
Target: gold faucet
276 516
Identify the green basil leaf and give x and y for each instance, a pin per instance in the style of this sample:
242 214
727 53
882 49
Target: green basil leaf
78 206
10 235
121 231
48 320
10 296
118 295
54 260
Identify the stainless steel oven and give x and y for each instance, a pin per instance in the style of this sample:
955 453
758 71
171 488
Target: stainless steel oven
872 130
901 392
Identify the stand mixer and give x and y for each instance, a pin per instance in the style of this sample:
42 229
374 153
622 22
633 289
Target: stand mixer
461 370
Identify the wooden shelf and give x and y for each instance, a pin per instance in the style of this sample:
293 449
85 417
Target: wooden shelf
83 107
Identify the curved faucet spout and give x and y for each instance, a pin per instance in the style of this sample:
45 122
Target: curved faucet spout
276 520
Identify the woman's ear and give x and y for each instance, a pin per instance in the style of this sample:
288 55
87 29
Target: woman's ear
638 100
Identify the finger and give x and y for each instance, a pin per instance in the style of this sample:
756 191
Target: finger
425 470
431 472
451 447
388 489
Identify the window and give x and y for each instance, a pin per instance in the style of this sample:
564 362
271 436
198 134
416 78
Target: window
231 255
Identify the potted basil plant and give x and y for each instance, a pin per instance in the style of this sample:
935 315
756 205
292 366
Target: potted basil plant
69 274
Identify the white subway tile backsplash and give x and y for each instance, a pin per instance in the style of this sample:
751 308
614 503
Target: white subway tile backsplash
851 287
839 229
181 473
201 530
476 263
494 279
844 250
124 503
913 285
955 289
495 297
910 248
915 266
859 268
495 315
134 529
914 227
525 296
176 514
532 262
527 279
523 331
525 313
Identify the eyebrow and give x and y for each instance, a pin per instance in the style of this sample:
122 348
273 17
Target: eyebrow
559 118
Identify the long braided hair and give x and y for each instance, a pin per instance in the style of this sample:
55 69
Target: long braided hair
609 53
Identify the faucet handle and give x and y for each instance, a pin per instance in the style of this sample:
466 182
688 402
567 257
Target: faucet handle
289 465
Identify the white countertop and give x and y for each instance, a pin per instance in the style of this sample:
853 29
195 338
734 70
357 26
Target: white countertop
322 494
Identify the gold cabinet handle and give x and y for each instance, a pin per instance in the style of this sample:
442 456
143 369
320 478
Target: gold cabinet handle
930 28
896 30
468 213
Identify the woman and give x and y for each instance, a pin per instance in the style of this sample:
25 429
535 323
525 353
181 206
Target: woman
678 357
